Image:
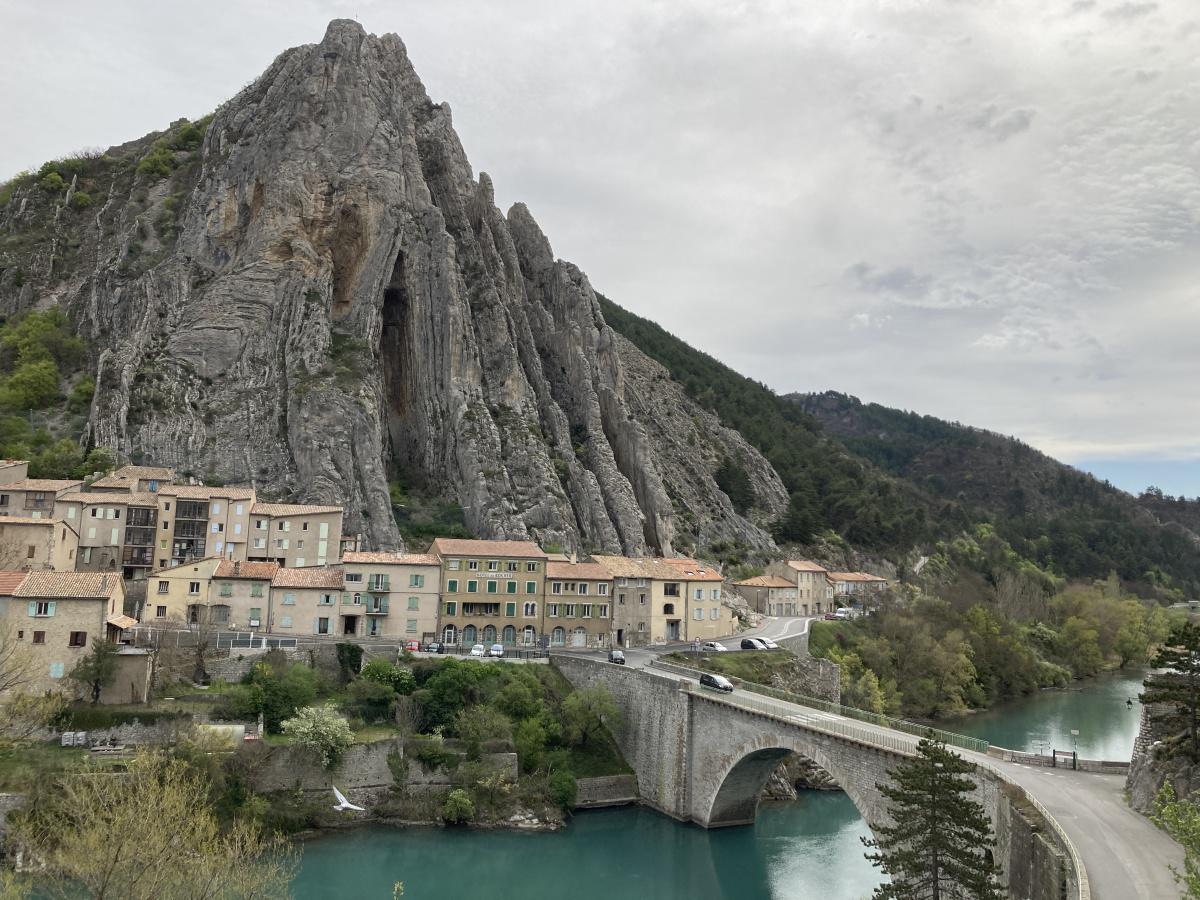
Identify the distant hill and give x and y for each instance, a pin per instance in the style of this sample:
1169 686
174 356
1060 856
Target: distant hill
1061 518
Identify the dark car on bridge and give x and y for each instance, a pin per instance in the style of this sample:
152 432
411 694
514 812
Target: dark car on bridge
716 682
617 657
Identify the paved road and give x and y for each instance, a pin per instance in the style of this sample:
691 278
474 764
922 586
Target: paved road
1126 856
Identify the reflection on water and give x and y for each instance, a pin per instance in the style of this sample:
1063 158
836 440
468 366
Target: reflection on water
1097 709
795 851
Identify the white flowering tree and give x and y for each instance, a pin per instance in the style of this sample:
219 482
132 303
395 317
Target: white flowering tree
322 731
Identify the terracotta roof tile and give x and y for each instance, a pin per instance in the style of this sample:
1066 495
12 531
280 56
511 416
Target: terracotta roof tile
291 509
692 570
205 492
83 585
462 547
767 581
387 557
10 581
119 498
577 571
27 520
41 484
309 577
129 475
804 565
255 571
853 576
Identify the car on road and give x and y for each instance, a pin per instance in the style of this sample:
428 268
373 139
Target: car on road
753 644
617 657
768 643
412 646
716 682
843 614
831 617
478 650
434 647
713 647
497 650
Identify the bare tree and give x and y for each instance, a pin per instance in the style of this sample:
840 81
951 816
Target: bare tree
16 659
1021 596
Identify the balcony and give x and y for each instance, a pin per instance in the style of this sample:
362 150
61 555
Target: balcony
378 585
190 530
481 609
187 509
141 518
39 503
134 556
376 606
139 537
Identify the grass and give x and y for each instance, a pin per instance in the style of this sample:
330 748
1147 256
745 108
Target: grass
86 717
25 764
823 635
748 665
371 733
600 757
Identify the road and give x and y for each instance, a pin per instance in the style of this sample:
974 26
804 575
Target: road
1125 855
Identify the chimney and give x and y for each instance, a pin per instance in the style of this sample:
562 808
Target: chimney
237 568
103 584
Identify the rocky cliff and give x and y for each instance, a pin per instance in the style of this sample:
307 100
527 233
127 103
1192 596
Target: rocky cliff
311 292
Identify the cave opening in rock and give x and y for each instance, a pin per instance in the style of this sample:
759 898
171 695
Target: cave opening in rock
394 353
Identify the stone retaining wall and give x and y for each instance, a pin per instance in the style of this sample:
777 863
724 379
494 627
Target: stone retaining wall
608 790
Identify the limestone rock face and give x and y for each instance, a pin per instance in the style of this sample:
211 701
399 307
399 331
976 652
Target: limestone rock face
338 301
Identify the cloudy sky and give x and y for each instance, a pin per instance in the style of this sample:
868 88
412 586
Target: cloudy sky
986 210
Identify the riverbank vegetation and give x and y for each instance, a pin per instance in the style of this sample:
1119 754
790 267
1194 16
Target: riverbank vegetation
929 657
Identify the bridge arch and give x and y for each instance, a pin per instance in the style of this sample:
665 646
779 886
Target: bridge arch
740 779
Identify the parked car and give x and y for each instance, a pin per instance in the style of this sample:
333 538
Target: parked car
478 650
434 647
497 650
413 646
843 613
768 643
713 647
831 616
753 644
716 682
617 657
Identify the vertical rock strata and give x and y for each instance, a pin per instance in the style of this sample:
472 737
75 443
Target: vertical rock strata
343 301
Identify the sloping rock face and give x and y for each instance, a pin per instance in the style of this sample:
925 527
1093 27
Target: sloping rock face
321 295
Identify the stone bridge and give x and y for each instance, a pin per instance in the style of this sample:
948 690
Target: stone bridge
704 757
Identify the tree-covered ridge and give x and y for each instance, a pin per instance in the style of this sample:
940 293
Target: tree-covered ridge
829 489
1065 521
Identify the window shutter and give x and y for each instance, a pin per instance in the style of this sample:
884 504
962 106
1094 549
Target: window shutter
316 624
50 609
32 608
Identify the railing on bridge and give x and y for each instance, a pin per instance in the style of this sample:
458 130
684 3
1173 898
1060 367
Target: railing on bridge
862 715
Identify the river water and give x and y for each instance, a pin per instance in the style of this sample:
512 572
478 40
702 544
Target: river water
795 851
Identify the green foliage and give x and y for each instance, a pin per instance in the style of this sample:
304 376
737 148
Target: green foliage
932 658
936 842
563 788
81 200
1180 818
587 712
733 480
434 755
97 670
369 700
82 392
159 162
33 385
10 187
276 692
52 183
321 731
1175 684
480 724
398 679
349 657
458 808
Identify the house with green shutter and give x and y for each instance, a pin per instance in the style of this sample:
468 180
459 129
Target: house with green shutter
395 595
57 617
492 592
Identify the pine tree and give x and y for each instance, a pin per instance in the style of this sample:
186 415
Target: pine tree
935 848
1177 687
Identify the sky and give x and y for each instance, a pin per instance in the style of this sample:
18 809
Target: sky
985 211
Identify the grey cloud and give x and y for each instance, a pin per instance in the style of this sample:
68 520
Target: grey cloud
900 280
1130 10
1002 126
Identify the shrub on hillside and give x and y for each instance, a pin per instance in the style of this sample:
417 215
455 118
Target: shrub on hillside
321 731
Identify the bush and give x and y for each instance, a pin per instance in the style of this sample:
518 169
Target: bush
321 731
349 657
563 789
479 724
80 399
268 690
159 162
434 755
372 700
458 807
81 200
34 385
380 670
52 183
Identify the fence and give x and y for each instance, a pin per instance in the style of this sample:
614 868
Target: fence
948 737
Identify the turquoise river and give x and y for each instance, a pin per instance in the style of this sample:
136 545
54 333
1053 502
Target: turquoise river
807 849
